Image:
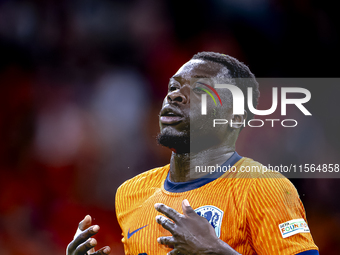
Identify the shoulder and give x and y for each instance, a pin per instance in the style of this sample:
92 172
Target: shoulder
250 168
146 179
263 180
136 190
268 187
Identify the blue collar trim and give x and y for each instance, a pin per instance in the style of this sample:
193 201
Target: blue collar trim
178 187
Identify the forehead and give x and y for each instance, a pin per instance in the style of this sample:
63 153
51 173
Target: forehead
200 68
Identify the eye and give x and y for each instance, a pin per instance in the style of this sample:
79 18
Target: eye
172 88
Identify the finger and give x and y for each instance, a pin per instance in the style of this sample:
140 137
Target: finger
84 247
166 223
91 251
85 223
168 211
103 251
174 252
187 209
166 240
83 236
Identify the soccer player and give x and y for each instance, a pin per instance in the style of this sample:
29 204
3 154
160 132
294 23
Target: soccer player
226 212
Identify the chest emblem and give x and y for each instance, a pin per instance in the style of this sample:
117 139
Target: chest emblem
214 215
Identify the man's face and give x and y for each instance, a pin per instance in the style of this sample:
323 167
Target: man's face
180 116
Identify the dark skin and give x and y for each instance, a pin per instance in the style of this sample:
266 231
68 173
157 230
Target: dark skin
190 233
188 105
84 243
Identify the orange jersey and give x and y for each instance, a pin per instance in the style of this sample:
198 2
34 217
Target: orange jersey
254 213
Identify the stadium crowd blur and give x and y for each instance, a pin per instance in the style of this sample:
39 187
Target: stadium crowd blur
81 86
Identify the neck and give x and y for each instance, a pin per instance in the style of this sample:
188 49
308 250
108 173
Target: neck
181 165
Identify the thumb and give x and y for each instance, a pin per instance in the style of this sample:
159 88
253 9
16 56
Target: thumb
187 209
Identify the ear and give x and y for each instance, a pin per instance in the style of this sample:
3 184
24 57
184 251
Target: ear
239 121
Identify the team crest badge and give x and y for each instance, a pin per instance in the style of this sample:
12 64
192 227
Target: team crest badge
214 215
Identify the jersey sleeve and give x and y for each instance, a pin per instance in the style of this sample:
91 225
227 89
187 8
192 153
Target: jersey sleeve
276 220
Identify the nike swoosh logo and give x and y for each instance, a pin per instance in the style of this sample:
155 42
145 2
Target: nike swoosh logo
134 232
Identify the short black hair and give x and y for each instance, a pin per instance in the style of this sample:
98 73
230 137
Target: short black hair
237 71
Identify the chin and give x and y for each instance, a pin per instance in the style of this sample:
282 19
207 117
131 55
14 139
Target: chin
175 140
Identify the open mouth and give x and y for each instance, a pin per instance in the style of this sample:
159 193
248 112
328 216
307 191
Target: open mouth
170 117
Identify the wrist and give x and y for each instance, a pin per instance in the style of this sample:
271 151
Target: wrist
224 249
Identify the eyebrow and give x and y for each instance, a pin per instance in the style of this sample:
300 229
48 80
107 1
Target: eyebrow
195 76
201 76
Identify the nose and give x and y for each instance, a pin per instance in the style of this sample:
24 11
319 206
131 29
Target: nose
177 97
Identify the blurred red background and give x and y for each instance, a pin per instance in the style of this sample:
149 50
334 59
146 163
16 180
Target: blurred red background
81 85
